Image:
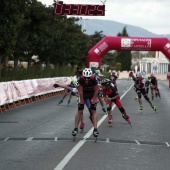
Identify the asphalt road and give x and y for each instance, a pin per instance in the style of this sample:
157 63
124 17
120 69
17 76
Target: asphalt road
38 136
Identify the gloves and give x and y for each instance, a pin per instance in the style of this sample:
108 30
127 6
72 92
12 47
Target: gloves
131 74
55 85
106 106
109 98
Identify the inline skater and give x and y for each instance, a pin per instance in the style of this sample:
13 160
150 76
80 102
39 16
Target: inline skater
67 91
111 95
129 76
98 76
147 83
154 86
100 97
139 87
74 92
113 77
88 89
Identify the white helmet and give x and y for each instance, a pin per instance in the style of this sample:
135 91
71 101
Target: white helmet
138 75
152 75
113 71
76 83
97 71
87 72
106 82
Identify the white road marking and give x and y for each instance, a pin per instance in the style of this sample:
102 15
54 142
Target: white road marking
29 139
167 144
6 139
66 159
107 140
137 142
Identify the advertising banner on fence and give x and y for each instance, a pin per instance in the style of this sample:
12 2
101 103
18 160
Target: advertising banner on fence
19 90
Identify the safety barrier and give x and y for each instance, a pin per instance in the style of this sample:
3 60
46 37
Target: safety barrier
18 93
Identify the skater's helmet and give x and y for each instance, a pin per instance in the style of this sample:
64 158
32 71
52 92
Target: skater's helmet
152 75
112 78
106 82
76 83
113 72
97 71
72 82
87 72
139 75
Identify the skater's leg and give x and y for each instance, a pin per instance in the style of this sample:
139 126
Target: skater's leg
65 94
122 110
77 119
109 112
140 100
81 122
94 119
148 100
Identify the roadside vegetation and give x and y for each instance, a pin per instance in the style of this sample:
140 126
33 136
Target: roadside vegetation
28 28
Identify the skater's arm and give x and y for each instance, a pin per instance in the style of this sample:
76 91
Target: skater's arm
64 86
104 96
113 98
133 77
96 90
74 91
61 85
80 90
115 93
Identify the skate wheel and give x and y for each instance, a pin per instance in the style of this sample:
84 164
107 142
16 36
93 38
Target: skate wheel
82 130
74 138
110 124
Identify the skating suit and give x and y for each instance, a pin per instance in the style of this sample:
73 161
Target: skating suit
88 89
139 85
154 82
110 93
113 78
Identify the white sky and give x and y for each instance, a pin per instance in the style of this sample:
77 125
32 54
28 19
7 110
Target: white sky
152 15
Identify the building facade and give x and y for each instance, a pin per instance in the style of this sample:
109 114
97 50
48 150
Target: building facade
157 65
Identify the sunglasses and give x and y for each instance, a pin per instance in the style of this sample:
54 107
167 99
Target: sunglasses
87 78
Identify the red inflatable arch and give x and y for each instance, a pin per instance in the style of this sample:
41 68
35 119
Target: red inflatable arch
108 43
126 43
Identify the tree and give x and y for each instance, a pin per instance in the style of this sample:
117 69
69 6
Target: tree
124 57
11 22
118 66
33 29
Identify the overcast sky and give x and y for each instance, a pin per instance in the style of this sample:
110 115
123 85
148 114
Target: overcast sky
152 15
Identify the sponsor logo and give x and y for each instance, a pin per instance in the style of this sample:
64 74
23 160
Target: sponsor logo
167 46
125 42
136 43
102 47
97 51
94 64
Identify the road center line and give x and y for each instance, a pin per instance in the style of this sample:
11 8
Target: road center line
167 144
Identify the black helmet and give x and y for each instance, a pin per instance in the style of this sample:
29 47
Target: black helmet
106 82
